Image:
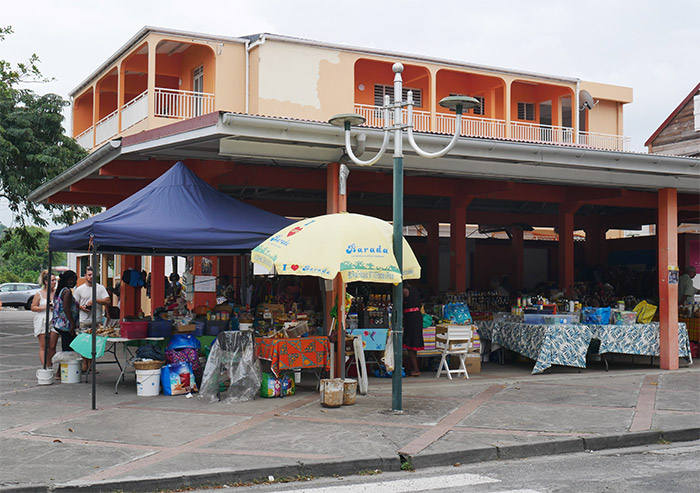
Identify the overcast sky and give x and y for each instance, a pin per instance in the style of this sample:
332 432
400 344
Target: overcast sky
649 45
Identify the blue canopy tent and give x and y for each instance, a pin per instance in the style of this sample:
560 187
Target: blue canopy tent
177 214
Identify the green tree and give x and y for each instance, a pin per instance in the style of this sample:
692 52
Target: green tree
23 264
33 148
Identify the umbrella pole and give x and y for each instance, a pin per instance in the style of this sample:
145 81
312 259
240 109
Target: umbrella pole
339 290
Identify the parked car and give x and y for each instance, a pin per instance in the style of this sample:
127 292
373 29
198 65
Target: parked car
18 294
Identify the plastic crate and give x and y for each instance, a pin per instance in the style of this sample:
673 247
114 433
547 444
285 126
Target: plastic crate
561 318
160 328
532 318
375 319
134 330
213 327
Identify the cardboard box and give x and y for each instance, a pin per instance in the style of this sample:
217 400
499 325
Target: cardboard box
184 329
473 362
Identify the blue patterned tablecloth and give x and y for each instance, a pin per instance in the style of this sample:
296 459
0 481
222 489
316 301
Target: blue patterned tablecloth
567 345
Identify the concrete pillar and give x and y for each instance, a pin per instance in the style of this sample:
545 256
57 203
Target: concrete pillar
458 243
566 248
157 283
517 245
667 236
336 203
433 229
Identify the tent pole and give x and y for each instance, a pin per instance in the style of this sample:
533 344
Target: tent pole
94 327
47 334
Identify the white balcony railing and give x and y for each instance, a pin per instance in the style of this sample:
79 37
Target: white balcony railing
534 132
135 110
86 138
374 116
472 126
171 103
107 127
604 141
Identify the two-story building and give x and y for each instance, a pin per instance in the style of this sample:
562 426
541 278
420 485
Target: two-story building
250 116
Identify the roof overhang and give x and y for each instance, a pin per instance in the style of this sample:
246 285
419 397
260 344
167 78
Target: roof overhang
266 140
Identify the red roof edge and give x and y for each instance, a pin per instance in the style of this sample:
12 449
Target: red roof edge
174 128
673 113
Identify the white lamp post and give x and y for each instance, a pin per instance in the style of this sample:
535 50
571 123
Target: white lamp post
455 103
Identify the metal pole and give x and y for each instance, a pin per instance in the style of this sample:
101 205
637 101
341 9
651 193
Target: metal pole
94 326
47 334
397 294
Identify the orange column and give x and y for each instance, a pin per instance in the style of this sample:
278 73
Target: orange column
157 283
433 229
336 203
458 243
566 248
667 234
130 299
518 256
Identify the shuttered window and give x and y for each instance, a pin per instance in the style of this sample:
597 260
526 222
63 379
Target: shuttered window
526 111
380 90
479 110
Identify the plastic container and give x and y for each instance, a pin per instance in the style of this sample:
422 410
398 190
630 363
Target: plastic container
199 328
245 326
147 382
624 318
561 318
160 328
70 371
332 390
44 376
531 318
349 391
134 330
213 327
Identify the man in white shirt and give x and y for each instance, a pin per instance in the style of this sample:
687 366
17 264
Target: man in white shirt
83 295
686 290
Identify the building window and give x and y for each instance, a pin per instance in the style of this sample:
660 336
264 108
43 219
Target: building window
479 110
526 111
381 90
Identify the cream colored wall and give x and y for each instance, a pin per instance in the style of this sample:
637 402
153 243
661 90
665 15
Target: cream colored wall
230 78
303 81
605 118
606 91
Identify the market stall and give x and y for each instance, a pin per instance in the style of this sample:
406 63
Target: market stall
176 214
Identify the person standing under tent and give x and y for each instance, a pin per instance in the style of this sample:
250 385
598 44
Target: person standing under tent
65 309
83 295
412 328
39 309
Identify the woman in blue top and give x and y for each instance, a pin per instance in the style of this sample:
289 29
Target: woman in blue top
65 309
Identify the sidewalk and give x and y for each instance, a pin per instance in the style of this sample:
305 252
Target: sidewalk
51 439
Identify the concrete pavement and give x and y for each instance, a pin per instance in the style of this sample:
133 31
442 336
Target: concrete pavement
53 441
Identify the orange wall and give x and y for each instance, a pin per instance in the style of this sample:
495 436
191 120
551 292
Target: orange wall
193 58
371 72
449 81
529 93
82 113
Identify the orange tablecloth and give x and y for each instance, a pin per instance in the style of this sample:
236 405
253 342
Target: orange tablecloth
287 354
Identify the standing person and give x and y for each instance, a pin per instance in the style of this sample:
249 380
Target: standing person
39 309
686 290
65 309
412 328
83 295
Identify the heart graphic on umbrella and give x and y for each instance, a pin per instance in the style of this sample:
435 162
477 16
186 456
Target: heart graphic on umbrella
294 231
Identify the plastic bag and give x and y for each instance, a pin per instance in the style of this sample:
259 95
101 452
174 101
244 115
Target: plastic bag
272 386
182 341
82 344
232 372
388 358
65 357
458 313
150 351
595 316
177 378
645 312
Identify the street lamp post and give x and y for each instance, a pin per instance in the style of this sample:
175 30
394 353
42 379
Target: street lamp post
455 103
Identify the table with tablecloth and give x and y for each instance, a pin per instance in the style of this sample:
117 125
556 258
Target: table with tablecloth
294 354
567 345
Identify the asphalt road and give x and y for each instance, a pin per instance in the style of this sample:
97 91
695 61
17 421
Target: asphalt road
652 468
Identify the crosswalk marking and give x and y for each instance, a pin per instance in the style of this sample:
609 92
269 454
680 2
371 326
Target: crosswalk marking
404 485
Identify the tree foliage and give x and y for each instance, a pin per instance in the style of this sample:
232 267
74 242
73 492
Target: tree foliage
24 264
33 148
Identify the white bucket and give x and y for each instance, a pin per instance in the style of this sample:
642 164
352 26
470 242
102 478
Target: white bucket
70 371
44 376
148 382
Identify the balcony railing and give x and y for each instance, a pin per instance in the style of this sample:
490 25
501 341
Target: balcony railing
471 126
107 127
534 132
135 110
604 141
171 103
374 116
86 138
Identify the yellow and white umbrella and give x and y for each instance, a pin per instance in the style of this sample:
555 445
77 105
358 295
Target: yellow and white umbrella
357 246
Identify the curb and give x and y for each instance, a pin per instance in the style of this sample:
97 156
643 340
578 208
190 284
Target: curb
347 468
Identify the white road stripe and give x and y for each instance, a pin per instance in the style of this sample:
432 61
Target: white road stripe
404 485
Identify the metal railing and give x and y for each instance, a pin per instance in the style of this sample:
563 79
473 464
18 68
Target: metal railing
107 127
608 142
135 110
534 132
86 138
472 126
171 103
374 116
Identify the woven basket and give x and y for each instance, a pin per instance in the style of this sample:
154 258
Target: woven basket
147 365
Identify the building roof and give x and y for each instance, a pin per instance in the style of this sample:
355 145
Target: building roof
673 114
